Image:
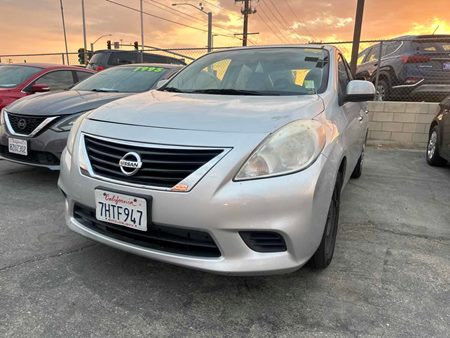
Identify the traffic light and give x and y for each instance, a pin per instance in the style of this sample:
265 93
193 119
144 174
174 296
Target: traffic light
136 45
108 44
81 58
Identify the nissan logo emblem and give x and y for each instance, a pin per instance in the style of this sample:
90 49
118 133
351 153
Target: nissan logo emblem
130 163
22 124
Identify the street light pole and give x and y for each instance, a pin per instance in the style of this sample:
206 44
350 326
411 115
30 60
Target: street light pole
210 19
84 31
93 43
64 30
142 31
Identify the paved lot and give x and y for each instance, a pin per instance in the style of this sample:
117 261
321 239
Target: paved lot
390 275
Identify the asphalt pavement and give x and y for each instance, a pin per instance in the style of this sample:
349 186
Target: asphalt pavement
390 275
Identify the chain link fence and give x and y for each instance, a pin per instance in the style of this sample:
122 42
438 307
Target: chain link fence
405 69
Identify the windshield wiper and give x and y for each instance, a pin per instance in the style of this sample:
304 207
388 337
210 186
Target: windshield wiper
104 90
228 92
172 89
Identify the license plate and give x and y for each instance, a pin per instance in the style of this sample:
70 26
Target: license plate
18 146
446 66
125 210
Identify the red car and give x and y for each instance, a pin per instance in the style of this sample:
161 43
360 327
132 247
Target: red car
22 79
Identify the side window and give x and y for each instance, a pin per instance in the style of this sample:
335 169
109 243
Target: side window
373 55
57 80
343 76
83 76
123 58
362 56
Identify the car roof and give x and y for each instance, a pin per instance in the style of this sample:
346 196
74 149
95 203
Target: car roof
46 66
328 47
423 36
162 65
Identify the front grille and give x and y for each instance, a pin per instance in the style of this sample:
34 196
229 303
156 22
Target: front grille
33 157
157 237
162 167
23 124
264 241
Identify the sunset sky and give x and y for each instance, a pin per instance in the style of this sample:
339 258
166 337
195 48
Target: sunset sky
34 26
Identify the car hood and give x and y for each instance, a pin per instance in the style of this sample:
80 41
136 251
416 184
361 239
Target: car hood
221 113
62 103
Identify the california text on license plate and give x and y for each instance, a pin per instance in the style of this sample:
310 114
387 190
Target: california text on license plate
128 211
18 146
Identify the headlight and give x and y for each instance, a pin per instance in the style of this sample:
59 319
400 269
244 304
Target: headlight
2 117
67 123
292 148
74 131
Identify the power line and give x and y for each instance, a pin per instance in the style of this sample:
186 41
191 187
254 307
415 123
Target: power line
211 4
281 34
173 10
168 20
266 22
288 3
282 26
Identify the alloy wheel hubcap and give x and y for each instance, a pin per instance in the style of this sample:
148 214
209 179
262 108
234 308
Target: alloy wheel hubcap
432 145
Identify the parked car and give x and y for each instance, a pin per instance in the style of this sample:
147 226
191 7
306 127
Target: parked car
236 165
412 67
34 129
104 59
21 79
438 149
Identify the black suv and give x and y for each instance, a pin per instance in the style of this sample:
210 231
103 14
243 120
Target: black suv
412 67
107 58
438 149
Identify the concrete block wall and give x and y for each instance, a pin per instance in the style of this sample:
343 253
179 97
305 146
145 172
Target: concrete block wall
400 124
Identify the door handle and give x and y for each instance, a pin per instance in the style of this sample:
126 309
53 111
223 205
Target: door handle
360 118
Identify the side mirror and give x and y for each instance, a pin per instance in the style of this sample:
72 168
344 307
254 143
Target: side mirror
360 91
161 83
39 88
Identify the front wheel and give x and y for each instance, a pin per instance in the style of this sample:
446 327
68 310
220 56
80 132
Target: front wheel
324 254
433 156
357 172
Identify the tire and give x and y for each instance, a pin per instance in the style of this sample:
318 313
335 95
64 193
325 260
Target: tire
383 90
433 156
324 254
357 172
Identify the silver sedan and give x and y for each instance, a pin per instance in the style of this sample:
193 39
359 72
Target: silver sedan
234 166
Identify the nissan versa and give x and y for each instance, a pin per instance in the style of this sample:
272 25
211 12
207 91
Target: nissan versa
235 166
34 129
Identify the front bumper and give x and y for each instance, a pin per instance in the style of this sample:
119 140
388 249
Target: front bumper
44 150
294 206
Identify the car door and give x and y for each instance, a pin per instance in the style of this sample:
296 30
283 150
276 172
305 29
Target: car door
372 61
362 71
56 80
354 113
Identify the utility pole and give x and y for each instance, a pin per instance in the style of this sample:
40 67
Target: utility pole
84 31
357 35
64 30
142 31
246 11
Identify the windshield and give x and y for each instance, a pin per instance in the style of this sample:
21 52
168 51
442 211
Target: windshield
123 79
262 71
12 76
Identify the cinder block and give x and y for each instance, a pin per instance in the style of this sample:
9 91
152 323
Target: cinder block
376 106
392 126
409 127
418 107
424 118
402 138
377 126
404 117
395 107
422 128
420 138
380 135
433 108
383 117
